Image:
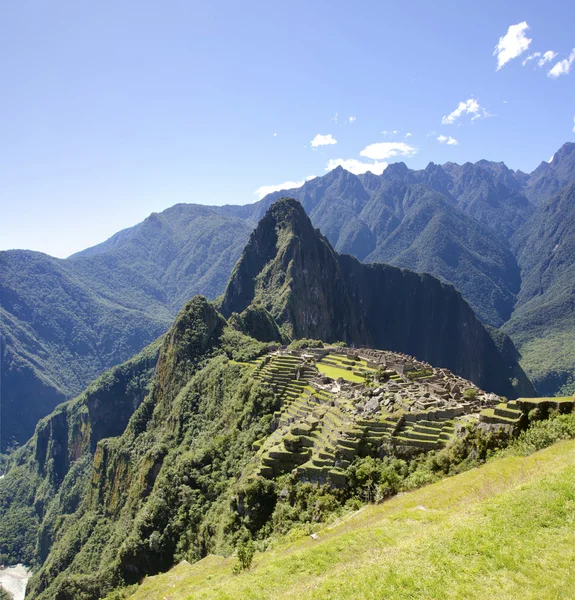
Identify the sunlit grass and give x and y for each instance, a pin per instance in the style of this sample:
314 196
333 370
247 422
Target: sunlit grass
336 373
505 530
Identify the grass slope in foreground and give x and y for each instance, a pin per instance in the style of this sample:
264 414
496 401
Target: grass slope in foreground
505 530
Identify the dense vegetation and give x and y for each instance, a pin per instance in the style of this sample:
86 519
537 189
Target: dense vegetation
544 322
503 530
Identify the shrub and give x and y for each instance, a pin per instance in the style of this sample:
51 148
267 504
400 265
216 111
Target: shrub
245 553
305 343
544 433
470 394
535 414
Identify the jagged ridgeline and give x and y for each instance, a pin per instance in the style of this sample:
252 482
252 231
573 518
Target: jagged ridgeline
161 460
500 237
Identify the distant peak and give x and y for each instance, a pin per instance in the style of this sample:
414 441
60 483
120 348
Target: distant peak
566 150
287 209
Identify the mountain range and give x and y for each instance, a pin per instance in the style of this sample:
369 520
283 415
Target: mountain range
502 238
161 458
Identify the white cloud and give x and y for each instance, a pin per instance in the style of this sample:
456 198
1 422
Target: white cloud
351 119
547 57
356 166
563 66
467 107
384 150
408 134
390 133
544 57
275 134
323 140
444 139
264 190
512 44
531 57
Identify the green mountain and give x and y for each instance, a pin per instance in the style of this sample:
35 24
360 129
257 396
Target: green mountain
63 322
210 437
543 324
410 219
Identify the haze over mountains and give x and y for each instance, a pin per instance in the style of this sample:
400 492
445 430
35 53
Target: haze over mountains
502 238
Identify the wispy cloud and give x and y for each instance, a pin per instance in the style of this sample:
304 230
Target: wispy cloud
466 107
385 150
275 134
408 134
544 58
547 57
351 119
444 139
356 167
531 57
264 190
512 44
563 66
323 140
390 133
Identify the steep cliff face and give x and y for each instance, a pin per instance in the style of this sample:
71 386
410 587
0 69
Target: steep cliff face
46 478
178 425
314 292
292 270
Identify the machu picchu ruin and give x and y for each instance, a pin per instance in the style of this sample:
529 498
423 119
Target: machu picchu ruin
338 403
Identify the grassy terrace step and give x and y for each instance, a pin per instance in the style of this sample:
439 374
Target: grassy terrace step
327 453
377 440
427 430
503 410
423 437
322 462
352 444
423 444
488 415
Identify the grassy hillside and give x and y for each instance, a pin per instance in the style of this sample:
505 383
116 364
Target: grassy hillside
503 530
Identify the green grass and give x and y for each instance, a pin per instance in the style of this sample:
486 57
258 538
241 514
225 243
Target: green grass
548 399
504 530
336 373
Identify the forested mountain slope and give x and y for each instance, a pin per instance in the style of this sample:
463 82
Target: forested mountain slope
64 322
543 324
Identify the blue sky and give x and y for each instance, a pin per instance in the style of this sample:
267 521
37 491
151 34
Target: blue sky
112 110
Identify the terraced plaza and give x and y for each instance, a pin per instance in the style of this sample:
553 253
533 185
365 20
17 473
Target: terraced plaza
337 403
